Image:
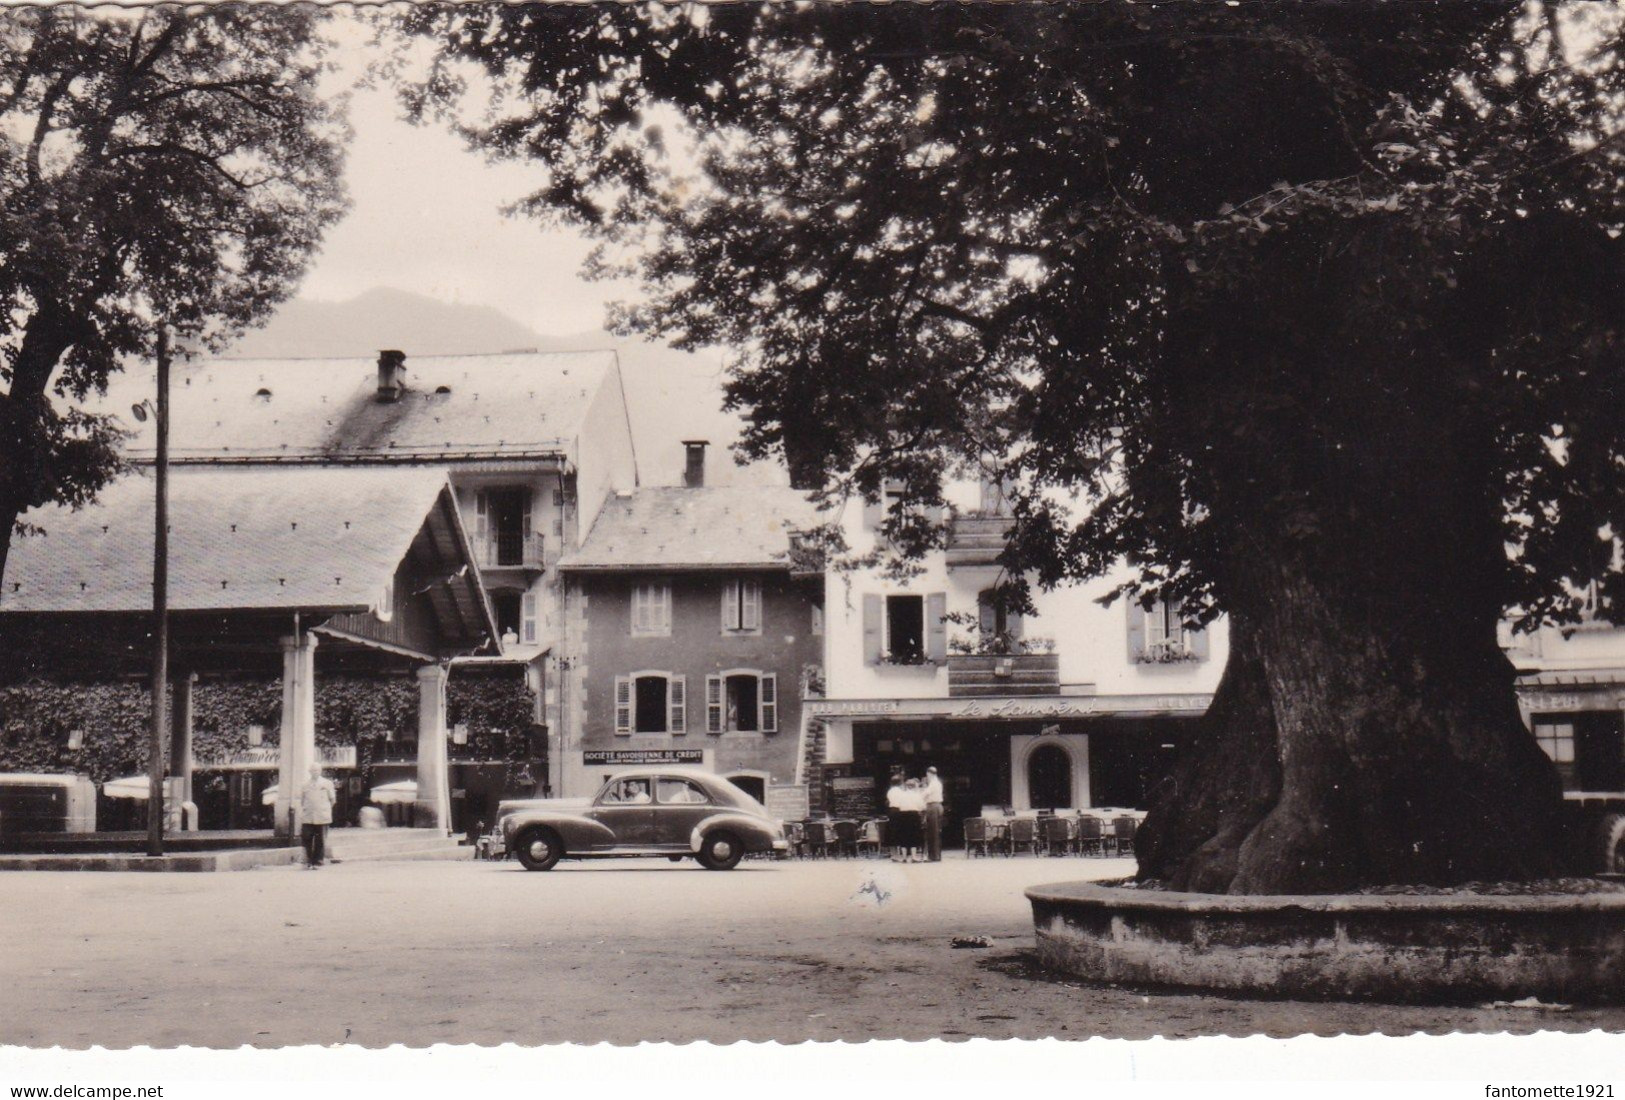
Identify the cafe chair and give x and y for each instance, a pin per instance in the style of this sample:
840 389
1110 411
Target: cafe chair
1091 836
820 838
1059 834
846 838
977 837
1024 834
1123 830
873 836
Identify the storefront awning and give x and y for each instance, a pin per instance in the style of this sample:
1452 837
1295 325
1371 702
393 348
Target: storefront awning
1013 707
404 791
131 786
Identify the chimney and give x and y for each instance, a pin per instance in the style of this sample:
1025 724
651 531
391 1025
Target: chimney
694 472
391 367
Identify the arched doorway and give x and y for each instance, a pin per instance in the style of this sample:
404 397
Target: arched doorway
1049 778
753 785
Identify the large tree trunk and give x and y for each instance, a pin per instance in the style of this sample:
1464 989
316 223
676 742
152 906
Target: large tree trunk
1366 730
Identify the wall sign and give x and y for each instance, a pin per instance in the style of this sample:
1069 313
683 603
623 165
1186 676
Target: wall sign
269 758
642 756
1035 706
788 802
852 796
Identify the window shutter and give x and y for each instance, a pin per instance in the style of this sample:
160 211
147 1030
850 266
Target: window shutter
527 533
987 615
677 698
482 527
1197 640
936 630
768 697
1136 630
663 608
730 605
874 513
713 704
637 609
871 628
527 618
1156 624
751 593
623 704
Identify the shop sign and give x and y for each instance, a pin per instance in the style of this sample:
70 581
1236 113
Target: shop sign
788 802
270 757
1040 707
642 756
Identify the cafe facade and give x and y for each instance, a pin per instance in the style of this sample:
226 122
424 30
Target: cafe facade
1079 705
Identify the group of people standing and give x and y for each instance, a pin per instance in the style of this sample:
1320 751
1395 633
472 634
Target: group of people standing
914 817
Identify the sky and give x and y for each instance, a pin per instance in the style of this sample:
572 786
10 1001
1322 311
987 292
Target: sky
427 217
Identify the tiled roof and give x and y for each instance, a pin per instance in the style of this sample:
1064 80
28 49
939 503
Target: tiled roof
706 528
492 405
239 538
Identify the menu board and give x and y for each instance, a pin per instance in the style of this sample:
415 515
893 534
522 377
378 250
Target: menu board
852 796
788 802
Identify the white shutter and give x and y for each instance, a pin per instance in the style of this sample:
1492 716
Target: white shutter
482 527
640 609
768 697
1156 625
527 536
677 700
527 618
713 704
663 608
623 704
730 605
751 591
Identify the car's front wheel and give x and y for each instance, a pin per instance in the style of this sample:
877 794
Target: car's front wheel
538 849
721 852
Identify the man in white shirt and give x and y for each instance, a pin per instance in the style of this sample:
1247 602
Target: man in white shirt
316 811
933 816
895 799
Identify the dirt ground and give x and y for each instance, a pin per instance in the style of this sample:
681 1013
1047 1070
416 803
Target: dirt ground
421 953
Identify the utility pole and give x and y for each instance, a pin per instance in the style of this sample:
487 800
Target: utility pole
160 610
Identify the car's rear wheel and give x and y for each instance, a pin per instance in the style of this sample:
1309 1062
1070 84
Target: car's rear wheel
538 849
721 852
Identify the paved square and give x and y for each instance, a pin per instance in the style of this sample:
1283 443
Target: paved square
419 953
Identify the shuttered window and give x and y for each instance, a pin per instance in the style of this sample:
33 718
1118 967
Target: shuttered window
651 702
742 701
651 609
623 704
677 703
742 606
527 619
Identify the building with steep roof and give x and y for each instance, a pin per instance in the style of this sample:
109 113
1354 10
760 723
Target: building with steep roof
688 635
372 566
525 447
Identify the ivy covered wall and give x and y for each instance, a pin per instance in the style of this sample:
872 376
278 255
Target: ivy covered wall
38 718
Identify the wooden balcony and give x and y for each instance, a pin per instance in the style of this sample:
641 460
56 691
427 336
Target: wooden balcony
511 550
975 674
977 540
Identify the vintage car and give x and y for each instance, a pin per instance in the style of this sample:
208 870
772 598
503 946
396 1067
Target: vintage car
671 812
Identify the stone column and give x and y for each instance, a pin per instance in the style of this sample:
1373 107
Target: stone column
433 808
298 738
180 743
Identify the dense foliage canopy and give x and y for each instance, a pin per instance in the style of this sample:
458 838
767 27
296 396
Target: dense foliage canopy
1308 311
1138 250
164 164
